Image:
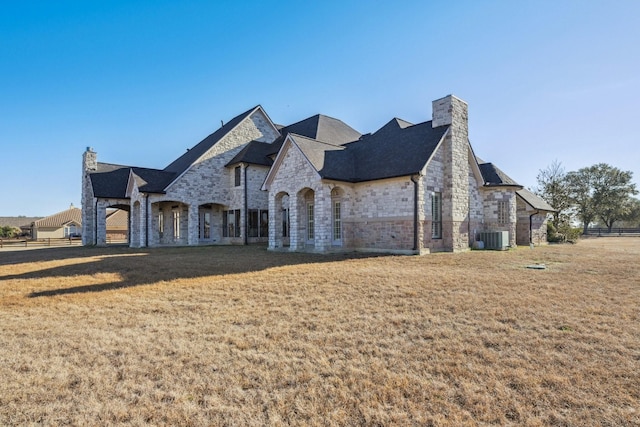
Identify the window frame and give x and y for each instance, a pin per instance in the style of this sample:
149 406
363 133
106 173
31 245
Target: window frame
436 215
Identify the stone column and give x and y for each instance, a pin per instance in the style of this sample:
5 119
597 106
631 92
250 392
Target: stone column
101 235
322 218
295 216
193 222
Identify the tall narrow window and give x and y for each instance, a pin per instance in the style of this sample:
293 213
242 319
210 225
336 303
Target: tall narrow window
176 224
161 223
310 222
337 221
436 216
206 225
264 223
237 180
503 212
254 214
285 222
237 222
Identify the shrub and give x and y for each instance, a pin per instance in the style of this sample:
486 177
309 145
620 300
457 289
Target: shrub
564 233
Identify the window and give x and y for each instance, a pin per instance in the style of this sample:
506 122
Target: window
237 171
70 230
436 215
258 223
337 221
231 223
503 212
285 222
204 231
310 222
176 224
161 223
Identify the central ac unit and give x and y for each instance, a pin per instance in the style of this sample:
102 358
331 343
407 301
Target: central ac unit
496 240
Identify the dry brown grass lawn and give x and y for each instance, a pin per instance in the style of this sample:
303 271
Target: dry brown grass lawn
242 336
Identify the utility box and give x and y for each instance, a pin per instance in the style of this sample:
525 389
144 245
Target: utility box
495 240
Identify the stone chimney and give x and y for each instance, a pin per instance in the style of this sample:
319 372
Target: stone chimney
89 165
89 160
446 110
453 112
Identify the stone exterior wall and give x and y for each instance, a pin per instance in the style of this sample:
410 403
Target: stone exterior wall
538 225
381 215
492 196
210 182
433 182
294 177
476 206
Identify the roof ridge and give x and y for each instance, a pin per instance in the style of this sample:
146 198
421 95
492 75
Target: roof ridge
315 140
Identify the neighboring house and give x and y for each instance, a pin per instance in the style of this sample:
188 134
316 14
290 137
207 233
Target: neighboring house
63 224
317 185
22 223
117 225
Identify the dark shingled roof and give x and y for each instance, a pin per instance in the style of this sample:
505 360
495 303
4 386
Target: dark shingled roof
183 162
111 180
319 127
494 177
396 149
535 201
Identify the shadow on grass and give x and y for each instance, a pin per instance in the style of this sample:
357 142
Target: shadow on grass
138 267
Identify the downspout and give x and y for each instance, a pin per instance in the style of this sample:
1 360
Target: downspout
146 223
95 224
415 212
531 226
246 212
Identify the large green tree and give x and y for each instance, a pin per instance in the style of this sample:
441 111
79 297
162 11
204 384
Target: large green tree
600 191
632 216
552 187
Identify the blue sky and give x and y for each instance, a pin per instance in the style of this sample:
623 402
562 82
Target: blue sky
142 81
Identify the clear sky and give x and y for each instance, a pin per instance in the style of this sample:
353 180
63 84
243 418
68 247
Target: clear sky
142 81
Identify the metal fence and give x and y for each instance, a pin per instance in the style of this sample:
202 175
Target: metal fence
604 232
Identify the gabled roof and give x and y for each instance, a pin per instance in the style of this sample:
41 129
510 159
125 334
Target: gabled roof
319 127
61 218
110 181
183 162
118 219
324 128
396 149
314 150
535 201
494 177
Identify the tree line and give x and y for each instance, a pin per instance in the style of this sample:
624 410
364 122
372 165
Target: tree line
600 194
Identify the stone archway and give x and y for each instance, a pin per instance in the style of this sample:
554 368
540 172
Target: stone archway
303 220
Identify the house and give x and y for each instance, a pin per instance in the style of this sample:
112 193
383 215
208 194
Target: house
117 226
21 223
67 223
318 185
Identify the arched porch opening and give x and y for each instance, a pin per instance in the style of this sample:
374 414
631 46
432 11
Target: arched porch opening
281 220
304 220
118 223
169 223
210 223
